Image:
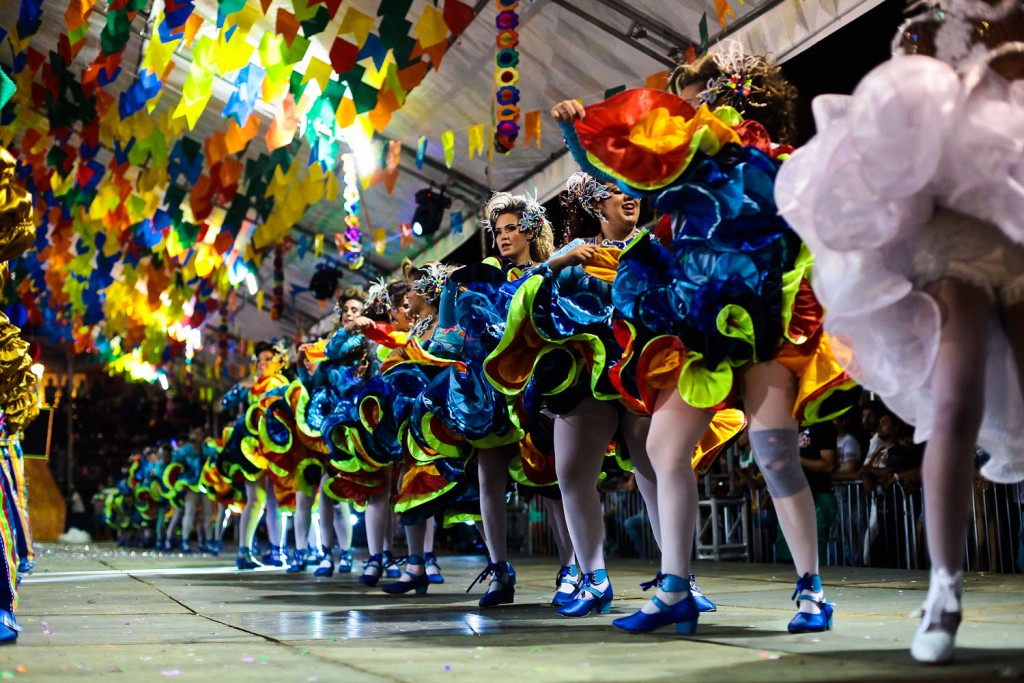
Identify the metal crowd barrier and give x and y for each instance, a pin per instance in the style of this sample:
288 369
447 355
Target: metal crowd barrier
885 529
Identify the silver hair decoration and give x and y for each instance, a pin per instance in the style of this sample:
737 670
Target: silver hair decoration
430 280
530 212
584 189
378 301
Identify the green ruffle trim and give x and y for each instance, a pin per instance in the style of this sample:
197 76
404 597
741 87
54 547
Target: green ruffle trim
521 313
408 502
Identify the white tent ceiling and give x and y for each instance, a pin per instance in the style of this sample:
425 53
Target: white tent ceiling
568 49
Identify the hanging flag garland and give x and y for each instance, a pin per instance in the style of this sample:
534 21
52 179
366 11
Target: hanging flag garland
353 246
277 294
506 77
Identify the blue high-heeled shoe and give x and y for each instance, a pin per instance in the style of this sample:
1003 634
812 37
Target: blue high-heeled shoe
275 557
808 587
213 547
9 628
569 576
246 560
418 582
502 574
345 561
326 565
24 566
703 604
430 560
299 562
683 613
371 579
601 602
392 564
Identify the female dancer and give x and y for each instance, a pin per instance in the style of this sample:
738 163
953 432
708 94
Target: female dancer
910 197
718 306
461 401
182 477
559 335
250 461
324 380
384 324
422 487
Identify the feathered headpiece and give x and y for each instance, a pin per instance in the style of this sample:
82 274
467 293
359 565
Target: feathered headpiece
585 190
736 84
429 279
378 301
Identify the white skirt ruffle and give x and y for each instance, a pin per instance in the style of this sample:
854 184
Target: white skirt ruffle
915 135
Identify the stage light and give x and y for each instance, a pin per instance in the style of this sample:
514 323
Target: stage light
324 282
430 207
37 369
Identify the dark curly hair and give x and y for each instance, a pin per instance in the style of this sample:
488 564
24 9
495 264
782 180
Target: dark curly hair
773 98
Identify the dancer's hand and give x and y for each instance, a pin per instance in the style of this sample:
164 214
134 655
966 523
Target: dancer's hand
359 324
567 111
576 257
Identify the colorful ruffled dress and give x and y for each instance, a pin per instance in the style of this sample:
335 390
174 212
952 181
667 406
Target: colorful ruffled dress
432 477
917 135
460 406
345 363
723 281
184 472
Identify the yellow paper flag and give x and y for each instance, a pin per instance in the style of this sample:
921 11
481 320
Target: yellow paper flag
357 24
380 240
475 140
431 28
318 245
448 142
320 71
259 300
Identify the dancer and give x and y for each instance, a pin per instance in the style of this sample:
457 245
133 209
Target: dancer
910 198
718 304
361 468
243 456
462 404
558 343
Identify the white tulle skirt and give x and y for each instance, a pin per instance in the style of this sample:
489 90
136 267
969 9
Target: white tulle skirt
915 136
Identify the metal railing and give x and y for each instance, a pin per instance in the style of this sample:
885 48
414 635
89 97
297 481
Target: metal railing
883 529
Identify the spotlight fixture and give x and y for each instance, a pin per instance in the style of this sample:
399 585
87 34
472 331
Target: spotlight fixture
324 282
677 55
430 207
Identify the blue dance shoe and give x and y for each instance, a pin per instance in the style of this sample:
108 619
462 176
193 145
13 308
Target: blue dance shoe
503 579
246 560
431 561
703 604
373 568
418 582
601 602
808 587
345 561
683 613
9 628
300 562
567 576
392 565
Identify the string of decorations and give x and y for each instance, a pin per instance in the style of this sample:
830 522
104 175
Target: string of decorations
506 77
353 246
277 294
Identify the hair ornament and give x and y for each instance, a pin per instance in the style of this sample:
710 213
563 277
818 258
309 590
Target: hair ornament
736 84
584 189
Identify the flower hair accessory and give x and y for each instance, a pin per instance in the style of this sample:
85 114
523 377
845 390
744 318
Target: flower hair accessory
429 279
584 189
736 84
378 301
531 213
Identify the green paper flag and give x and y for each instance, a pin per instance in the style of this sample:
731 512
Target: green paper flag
613 91
6 88
704 39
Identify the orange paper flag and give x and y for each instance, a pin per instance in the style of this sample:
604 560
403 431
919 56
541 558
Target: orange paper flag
531 125
657 81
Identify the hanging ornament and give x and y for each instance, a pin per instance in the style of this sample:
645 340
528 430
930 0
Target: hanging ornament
353 248
506 77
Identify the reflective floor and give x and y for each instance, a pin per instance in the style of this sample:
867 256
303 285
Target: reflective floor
102 612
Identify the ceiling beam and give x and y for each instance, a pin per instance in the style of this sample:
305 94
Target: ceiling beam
622 36
653 25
